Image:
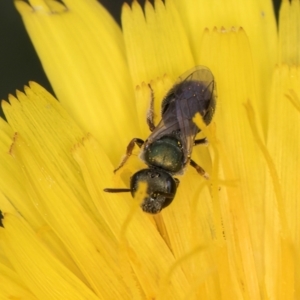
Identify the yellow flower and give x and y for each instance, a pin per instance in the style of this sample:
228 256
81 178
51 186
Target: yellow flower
235 236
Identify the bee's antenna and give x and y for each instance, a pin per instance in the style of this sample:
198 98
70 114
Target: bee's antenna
117 190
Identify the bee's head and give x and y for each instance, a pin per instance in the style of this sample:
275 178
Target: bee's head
160 189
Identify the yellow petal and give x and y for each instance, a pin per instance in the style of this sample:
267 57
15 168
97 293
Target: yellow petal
45 276
82 53
156 43
255 17
12 287
281 231
229 55
56 188
289 37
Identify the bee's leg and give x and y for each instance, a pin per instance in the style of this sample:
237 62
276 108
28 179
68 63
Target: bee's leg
177 181
150 113
199 169
135 141
200 142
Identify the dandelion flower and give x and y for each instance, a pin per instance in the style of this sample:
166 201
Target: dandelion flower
234 236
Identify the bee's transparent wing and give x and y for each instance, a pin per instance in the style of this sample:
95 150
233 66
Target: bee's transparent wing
167 125
194 93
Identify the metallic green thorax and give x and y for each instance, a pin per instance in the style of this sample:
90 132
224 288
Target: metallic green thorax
165 153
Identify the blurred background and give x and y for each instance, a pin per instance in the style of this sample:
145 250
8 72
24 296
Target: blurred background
18 60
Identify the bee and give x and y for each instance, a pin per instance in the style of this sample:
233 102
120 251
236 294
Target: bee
168 149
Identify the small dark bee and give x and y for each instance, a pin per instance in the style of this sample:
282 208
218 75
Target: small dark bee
168 149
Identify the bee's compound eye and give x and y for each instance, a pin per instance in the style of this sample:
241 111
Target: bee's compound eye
161 189
154 196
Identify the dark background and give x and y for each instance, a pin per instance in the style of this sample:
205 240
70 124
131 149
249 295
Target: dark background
18 60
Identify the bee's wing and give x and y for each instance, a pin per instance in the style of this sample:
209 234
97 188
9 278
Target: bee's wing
167 124
194 93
